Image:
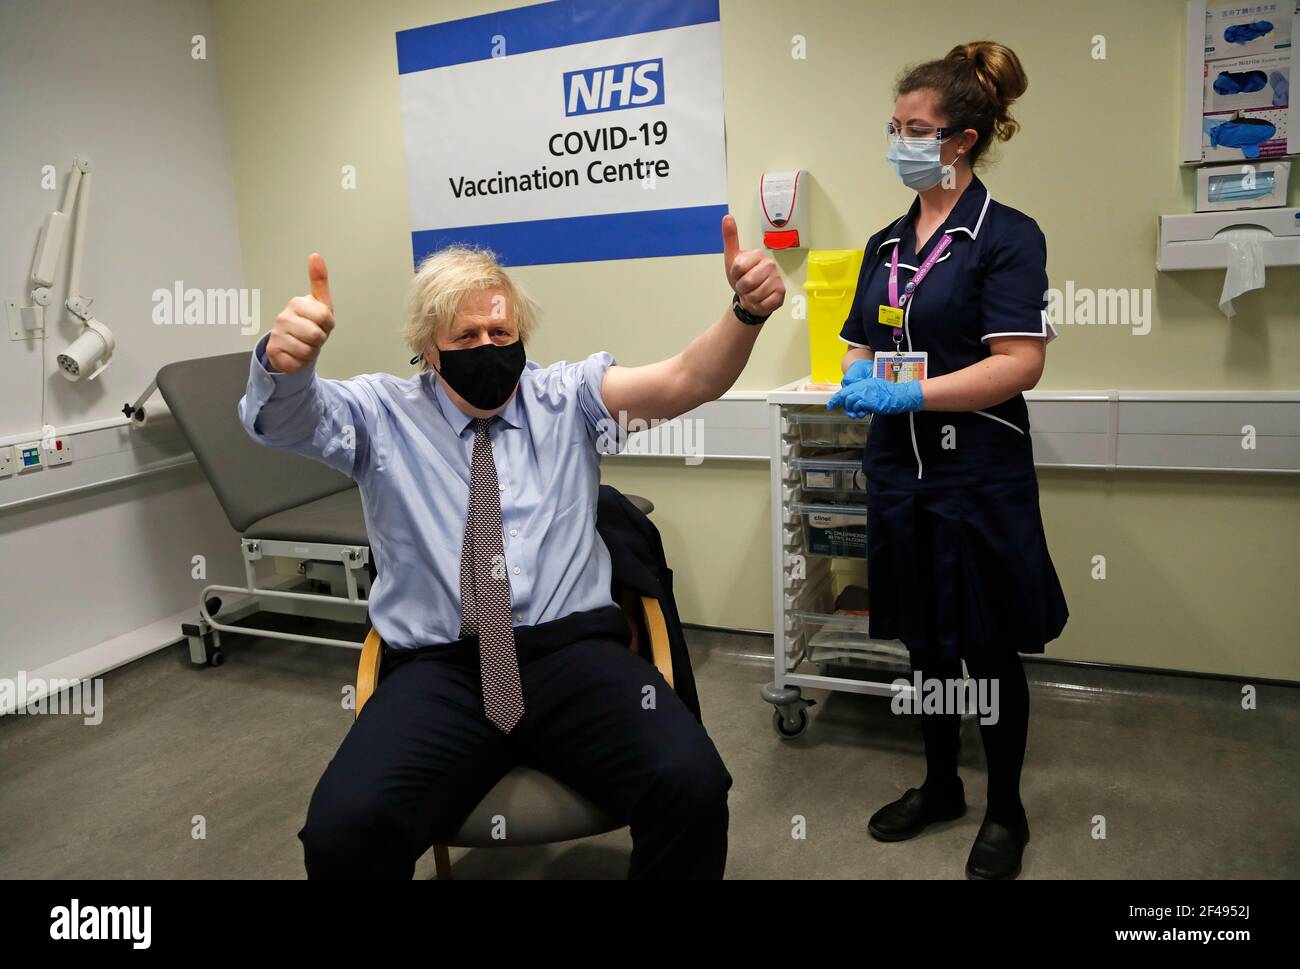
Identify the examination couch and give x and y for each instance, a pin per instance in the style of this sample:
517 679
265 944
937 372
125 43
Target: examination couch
281 504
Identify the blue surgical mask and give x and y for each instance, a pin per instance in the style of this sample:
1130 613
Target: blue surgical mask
916 162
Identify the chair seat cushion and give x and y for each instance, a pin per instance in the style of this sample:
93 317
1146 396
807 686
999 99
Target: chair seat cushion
336 519
538 810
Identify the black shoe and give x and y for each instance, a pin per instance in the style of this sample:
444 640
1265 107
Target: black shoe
997 850
914 811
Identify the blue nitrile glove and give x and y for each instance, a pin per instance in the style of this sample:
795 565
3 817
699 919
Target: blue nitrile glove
876 396
858 370
1247 135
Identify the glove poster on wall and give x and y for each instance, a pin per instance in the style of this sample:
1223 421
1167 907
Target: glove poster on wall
1245 71
569 131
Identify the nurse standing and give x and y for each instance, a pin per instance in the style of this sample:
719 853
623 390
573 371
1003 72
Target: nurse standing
952 297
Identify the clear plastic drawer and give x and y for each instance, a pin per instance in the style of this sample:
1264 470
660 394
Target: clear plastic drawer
825 430
833 529
836 473
842 639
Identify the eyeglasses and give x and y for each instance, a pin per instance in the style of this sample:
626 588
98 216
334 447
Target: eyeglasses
920 131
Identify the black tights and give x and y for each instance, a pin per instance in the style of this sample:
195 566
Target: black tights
1004 741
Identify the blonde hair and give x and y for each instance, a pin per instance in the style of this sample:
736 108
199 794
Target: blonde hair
442 281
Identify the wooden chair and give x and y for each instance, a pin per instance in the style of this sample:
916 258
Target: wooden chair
542 810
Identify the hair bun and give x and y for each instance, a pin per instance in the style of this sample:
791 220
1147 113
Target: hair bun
999 71
996 66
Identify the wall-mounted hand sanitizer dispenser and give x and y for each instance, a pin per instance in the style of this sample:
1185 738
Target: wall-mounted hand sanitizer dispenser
782 200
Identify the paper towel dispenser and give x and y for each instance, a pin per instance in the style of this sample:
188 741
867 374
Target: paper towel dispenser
1193 241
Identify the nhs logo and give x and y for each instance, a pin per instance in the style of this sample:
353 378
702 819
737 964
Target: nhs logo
614 88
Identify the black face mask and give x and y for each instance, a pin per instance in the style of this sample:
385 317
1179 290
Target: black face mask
484 375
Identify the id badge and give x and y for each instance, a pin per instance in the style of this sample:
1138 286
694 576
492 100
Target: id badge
890 316
899 368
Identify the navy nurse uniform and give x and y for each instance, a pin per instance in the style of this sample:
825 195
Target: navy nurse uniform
957 561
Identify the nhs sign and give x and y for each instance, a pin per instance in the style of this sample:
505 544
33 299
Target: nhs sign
614 88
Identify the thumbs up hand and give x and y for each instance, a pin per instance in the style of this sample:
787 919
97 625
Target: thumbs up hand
304 324
753 274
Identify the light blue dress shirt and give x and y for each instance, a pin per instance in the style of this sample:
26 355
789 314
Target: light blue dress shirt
408 447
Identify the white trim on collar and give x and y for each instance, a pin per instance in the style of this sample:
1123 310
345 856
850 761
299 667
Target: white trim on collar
988 197
973 233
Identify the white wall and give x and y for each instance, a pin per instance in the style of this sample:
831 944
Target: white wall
115 81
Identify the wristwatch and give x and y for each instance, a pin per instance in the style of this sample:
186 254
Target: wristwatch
742 314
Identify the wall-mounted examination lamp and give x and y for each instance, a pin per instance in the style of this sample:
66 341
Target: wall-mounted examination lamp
94 347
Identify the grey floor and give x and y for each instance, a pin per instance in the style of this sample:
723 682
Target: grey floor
1185 783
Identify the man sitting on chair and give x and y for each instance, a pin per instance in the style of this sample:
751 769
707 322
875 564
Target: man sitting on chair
502 644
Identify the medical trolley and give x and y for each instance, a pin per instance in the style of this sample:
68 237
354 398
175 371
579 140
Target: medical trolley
821 601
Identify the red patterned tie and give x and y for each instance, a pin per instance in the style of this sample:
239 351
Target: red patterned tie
485 588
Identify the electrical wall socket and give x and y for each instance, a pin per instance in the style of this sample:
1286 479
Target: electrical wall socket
8 461
58 452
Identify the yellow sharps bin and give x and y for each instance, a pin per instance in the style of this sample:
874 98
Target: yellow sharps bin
832 280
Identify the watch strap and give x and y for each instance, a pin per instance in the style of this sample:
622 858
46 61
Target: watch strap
742 314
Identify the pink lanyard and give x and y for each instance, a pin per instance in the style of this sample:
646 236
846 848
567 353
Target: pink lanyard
895 300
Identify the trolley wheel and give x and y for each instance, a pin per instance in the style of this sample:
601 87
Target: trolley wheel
216 657
783 729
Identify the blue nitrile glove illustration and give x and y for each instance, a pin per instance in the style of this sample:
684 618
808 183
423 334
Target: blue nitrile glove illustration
1281 89
1240 82
858 370
1245 33
875 396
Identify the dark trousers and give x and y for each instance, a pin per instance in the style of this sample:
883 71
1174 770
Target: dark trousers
421 756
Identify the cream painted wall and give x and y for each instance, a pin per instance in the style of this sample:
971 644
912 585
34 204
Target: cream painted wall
1201 568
